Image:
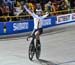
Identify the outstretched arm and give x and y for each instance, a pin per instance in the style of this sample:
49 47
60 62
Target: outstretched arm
44 16
30 12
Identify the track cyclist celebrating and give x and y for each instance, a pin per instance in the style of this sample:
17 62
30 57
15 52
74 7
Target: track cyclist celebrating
38 17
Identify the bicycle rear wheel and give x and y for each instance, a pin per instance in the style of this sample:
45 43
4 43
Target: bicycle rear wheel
31 50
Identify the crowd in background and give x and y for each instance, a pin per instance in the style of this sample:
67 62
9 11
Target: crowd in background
16 7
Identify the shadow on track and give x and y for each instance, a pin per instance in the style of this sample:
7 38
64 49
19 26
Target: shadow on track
43 62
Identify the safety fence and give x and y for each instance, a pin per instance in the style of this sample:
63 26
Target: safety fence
7 28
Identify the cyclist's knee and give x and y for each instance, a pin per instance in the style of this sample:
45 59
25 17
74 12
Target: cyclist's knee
37 33
37 36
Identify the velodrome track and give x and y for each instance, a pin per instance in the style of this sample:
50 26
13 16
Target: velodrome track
58 48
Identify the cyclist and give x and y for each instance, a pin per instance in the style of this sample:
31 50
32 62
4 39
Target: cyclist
37 22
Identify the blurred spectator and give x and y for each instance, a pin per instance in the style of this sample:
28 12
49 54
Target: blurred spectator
55 9
1 10
1 14
52 8
72 4
62 5
6 12
68 4
9 3
1 2
43 2
49 7
31 5
18 9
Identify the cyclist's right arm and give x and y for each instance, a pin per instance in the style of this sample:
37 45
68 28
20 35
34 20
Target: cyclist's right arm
31 13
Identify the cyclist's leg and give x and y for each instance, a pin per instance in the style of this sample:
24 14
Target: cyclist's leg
38 44
33 33
38 33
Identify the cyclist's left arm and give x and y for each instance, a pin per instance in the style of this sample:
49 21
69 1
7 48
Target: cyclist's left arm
44 16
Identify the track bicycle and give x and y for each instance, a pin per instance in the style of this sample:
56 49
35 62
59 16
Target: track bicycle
34 48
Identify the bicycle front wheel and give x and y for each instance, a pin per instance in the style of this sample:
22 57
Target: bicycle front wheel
31 50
